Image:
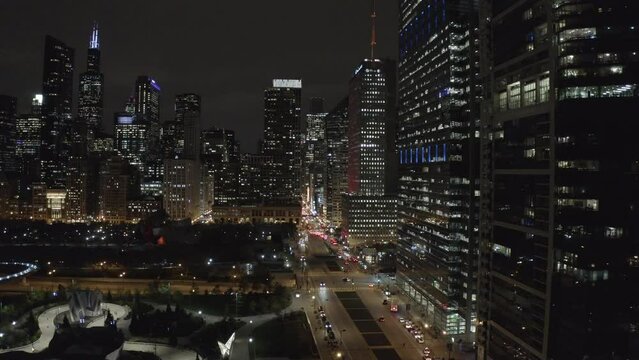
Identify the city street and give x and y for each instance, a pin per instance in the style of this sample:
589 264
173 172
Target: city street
357 328
354 318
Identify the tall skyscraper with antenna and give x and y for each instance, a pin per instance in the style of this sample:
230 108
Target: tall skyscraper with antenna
90 105
370 209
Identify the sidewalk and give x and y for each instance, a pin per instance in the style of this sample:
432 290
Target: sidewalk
439 342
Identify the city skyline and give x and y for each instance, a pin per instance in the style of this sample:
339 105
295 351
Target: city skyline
474 181
205 58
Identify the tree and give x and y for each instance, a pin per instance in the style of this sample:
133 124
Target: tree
173 339
252 306
136 301
65 323
109 321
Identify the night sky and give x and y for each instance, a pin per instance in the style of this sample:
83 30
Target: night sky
227 51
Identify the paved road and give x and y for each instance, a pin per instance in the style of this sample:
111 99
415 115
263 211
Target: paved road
354 346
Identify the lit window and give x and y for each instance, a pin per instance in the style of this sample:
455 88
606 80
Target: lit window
577 34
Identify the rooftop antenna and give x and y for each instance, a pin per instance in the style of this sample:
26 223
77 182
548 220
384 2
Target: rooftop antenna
373 35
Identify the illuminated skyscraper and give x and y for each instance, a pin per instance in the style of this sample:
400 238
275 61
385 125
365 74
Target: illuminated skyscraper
438 171
370 211
76 189
90 105
146 99
314 160
221 163
181 188
282 140
146 108
57 91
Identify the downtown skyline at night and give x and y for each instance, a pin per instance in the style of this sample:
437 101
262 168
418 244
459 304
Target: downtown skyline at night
336 179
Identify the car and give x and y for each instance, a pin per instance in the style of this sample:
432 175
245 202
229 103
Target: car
380 319
331 335
322 284
321 308
426 357
420 340
402 320
371 285
385 302
345 279
323 317
328 324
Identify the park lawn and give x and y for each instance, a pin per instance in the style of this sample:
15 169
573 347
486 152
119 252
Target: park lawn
251 303
293 340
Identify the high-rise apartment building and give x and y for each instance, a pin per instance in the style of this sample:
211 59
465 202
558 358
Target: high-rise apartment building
57 91
181 188
253 178
370 212
336 184
282 140
438 163
90 104
560 180
76 189
8 115
114 190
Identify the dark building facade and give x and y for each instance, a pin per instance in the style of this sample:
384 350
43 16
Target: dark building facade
253 178
560 181
336 137
8 116
282 141
438 155
90 102
57 91
146 108
187 114
221 166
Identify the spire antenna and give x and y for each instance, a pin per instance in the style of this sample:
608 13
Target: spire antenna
94 42
373 34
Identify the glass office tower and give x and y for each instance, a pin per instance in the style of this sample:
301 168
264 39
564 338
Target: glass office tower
560 171
438 155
